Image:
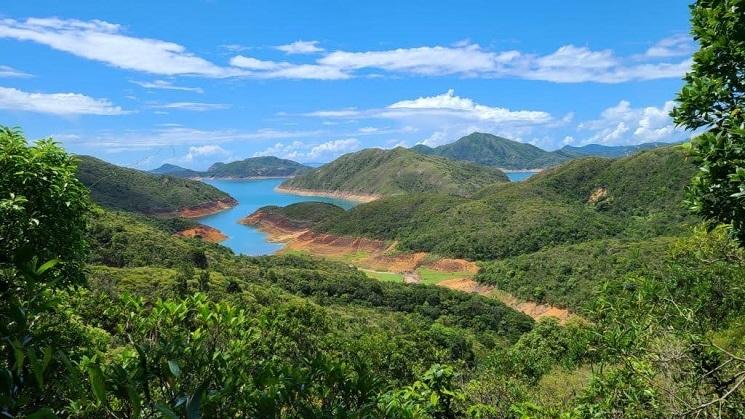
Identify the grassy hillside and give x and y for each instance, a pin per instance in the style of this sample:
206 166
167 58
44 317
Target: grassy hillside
173 170
256 167
395 172
588 199
491 150
132 190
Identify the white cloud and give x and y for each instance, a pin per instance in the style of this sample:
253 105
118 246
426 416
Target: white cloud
431 61
568 64
166 85
285 70
300 47
452 105
301 151
56 103
674 46
7 71
102 41
204 150
191 106
624 125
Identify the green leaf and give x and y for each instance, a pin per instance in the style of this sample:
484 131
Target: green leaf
193 404
46 266
135 400
175 369
44 413
97 383
165 411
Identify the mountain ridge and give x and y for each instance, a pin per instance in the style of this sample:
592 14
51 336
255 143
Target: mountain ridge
379 172
252 167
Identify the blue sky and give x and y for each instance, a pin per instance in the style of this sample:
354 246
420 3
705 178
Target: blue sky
141 83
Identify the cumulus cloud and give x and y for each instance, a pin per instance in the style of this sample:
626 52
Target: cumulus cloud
452 105
166 85
105 42
300 47
623 124
7 71
305 152
56 103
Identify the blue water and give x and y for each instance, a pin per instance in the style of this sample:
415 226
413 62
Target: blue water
252 195
519 176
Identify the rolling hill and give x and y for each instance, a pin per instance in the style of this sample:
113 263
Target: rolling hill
136 191
587 199
491 150
248 168
380 172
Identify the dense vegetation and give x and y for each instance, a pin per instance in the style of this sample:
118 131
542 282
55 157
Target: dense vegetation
252 167
587 199
713 100
395 172
133 190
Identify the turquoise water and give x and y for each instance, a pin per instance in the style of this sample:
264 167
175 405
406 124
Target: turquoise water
519 176
252 195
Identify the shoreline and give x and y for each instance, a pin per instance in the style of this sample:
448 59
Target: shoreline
204 232
349 196
201 178
207 209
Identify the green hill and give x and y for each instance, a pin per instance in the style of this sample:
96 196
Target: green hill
252 167
587 199
394 172
257 167
133 190
491 150
173 170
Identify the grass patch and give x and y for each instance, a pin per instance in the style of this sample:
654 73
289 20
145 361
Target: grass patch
384 276
431 276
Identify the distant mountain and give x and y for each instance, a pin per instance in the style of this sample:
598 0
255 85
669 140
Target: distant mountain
251 167
268 166
491 150
173 170
133 190
390 172
607 151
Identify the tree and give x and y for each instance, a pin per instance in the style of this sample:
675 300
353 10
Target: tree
204 281
184 275
43 209
713 99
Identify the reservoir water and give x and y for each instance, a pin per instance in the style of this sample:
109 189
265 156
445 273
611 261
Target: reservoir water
253 194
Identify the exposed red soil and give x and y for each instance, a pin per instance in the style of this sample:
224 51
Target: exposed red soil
207 209
204 232
534 310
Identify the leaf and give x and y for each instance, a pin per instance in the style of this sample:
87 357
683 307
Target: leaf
135 400
97 383
175 369
193 404
46 266
166 411
44 413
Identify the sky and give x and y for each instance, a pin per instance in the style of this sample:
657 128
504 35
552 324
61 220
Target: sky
142 83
